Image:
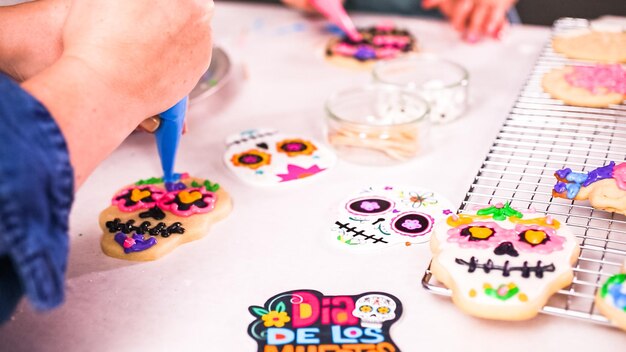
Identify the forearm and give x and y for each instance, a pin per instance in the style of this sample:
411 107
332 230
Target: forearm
30 36
93 118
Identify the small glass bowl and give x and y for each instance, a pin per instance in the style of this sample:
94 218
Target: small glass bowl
444 84
377 124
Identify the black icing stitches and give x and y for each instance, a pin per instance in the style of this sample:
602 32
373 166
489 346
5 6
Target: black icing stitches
116 225
154 212
506 270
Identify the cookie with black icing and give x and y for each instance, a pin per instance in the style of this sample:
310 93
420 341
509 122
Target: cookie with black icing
150 218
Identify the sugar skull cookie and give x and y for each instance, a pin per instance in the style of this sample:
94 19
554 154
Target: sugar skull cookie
591 86
381 42
611 299
264 157
149 219
604 187
378 217
502 264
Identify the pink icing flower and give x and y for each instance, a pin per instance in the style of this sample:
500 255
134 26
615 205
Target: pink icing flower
137 197
412 224
479 235
619 174
537 239
369 206
598 79
391 40
188 201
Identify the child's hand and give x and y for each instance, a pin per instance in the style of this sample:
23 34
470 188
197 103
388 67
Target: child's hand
474 18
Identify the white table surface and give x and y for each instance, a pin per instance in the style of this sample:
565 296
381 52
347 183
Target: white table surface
275 240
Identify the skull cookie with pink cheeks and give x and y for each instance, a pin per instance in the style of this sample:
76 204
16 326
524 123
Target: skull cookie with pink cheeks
263 157
377 217
502 264
150 218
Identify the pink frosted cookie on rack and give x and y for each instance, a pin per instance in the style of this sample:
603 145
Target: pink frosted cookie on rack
502 264
149 219
611 299
381 42
604 187
590 86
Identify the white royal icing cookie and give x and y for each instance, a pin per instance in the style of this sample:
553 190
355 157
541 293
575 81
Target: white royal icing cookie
502 264
264 157
378 217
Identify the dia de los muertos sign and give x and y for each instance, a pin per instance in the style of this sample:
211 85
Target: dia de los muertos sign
309 321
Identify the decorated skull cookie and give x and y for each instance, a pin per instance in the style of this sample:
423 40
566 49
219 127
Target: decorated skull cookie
149 219
378 217
502 264
374 310
264 157
611 298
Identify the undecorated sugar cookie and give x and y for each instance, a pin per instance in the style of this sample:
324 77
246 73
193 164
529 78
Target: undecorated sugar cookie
381 42
611 299
502 264
590 86
264 157
149 219
378 217
603 46
604 187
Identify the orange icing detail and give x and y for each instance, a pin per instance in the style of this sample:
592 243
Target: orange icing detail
522 297
481 232
189 198
534 237
536 221
472 293
136 195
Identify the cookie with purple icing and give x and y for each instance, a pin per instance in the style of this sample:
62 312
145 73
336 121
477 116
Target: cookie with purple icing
150 218
381 42
604 187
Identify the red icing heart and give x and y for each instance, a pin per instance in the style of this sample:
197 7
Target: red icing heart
129 242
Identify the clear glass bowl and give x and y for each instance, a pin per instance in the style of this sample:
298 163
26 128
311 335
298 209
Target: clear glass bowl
377 124
444 84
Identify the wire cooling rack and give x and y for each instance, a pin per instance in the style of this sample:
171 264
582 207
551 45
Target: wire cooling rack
542 135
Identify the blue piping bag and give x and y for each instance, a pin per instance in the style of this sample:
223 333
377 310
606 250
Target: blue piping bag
168 137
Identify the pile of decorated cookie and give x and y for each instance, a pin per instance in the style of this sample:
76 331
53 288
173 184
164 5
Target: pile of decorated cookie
598 79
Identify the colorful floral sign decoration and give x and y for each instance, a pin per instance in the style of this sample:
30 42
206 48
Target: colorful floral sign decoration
308 321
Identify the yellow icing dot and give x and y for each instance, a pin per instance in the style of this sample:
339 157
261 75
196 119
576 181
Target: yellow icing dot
511 286
188 198
472 293
137 195
486 286
534 237
522 297
481 232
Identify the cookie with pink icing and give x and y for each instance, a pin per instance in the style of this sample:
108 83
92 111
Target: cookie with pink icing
591 86
501 263
149 219
381 42
604 187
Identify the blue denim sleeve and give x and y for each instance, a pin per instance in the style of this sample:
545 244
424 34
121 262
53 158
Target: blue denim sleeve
36 193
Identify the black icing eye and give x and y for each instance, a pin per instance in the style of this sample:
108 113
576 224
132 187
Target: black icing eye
369 205
534 237
477 233
412 224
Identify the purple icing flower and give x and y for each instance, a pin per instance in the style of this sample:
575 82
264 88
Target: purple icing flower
562 174
136 243
600 173
174 186
364 52
369 206
411 224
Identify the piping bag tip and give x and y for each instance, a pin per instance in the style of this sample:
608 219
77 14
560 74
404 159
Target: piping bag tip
168 137
335 12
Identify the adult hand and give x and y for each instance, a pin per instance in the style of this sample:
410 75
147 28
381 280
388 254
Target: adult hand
474 18
122 61
30 36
